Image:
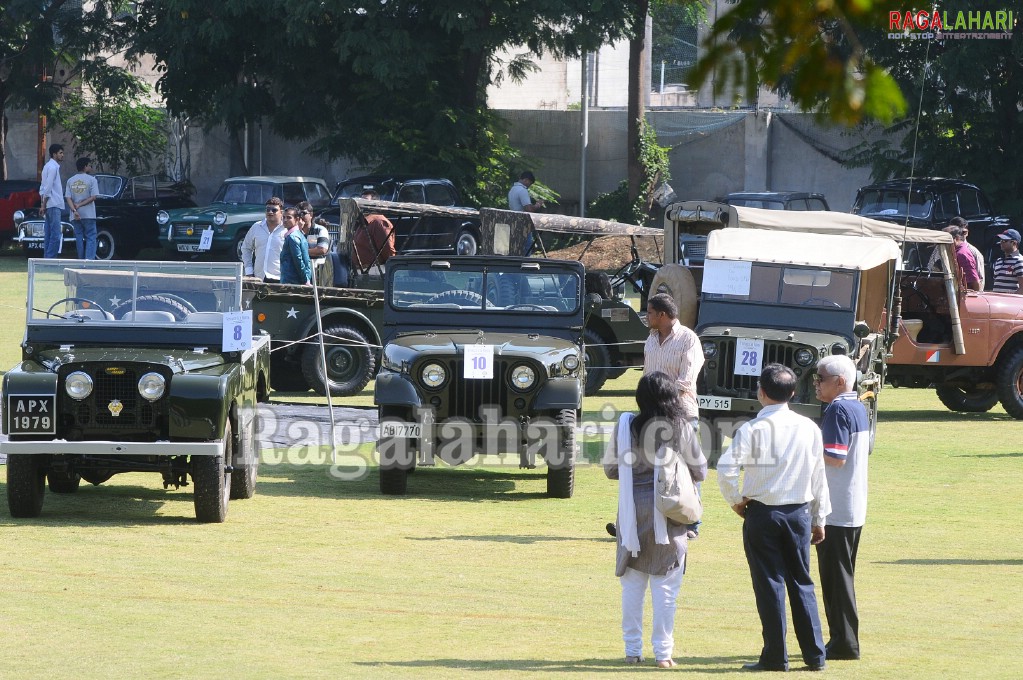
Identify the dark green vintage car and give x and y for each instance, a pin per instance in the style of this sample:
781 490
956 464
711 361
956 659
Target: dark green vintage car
481 355
135 367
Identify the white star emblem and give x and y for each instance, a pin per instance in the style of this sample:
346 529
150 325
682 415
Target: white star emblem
292 313
114 301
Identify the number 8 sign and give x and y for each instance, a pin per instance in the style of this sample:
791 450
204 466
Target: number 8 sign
237 331
749 357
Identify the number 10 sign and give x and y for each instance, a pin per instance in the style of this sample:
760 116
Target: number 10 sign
479 362
749 357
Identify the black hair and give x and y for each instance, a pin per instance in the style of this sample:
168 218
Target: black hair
778 382
82 162
526 174
660 406
662 302
55 149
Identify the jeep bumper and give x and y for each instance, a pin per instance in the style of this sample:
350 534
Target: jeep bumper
101 448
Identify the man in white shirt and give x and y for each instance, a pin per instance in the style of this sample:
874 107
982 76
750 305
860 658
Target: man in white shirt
261 248
784 503
81 193
51 202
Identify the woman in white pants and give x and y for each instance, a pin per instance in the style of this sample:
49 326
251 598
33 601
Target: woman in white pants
651 548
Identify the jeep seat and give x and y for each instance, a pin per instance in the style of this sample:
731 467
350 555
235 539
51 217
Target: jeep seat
913 327
216 318
149 316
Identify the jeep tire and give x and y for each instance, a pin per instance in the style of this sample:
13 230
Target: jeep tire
212 483
1010 383
107 246
677 281
396 461
245 470
561 473
598 362
26 485
961 400
350 361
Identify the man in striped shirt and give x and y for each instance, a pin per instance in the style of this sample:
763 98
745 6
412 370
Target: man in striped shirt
1008 269
673 349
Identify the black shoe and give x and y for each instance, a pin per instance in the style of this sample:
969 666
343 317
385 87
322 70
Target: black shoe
816 666
836 655
612 529
763 667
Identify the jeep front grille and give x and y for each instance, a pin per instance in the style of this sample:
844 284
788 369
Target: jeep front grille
93 415
463 397
745 386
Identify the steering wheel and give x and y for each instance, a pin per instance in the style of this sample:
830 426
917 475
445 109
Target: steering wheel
819 301
528 305
924 300
49 312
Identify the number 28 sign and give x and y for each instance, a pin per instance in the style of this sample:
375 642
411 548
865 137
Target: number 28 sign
749 357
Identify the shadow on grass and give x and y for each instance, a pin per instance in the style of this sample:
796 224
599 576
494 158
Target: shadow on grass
956 561
937 416
705 664
990 455
436 484
507 538
109 505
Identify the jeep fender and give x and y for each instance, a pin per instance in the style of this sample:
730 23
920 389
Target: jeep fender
18 381
394 389
199 403
559 394
350 316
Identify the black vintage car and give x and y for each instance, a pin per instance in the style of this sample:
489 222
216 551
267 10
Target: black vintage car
125 216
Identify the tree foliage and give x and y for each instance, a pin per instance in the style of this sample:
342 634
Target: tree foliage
653 158
397 85
49 48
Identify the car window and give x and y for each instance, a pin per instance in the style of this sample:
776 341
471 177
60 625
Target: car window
316 194
244 192
292 193
794 287
797 204
947 206
108 185
816 204
439 194
969 203
506 291
411 193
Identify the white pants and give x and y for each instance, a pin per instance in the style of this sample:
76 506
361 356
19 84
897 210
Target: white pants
663 594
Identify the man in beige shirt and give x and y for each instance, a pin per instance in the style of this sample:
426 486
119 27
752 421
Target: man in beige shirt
673 349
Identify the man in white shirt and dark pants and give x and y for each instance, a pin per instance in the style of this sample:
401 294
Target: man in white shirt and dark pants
784 502
263 243
51 202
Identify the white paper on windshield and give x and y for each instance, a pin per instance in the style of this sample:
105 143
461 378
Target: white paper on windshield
238 331
727 277
749 357
206 240
479 362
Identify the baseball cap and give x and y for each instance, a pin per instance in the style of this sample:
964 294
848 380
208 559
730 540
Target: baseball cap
1009 235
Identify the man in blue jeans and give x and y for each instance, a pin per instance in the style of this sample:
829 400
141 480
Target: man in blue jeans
82 190
51 201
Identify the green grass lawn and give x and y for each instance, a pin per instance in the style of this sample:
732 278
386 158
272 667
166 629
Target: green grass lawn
477 570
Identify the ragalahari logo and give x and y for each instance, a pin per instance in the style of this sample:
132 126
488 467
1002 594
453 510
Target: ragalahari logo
944 25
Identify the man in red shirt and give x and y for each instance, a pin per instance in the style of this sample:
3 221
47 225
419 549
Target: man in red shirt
374 239
965 259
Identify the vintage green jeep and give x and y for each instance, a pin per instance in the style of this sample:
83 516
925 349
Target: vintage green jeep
135 367
481 354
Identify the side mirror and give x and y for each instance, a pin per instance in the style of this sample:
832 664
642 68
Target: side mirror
861 329
593 300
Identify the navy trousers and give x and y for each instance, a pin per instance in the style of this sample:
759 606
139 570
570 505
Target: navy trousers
836 558
777 543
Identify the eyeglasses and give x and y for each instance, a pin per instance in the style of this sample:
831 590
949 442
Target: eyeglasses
818 378
305 212
271 211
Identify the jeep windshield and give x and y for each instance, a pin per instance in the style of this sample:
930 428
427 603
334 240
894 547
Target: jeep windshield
75 294
244 192
893 202
785 285
471 291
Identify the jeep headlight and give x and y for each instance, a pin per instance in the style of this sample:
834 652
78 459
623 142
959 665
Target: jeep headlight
433 375
162 217
804 357
78 385
710 349
19 216
523 377
219 218
152 386
571 362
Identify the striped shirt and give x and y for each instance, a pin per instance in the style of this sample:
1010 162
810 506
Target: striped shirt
1007 271
680 356
846 432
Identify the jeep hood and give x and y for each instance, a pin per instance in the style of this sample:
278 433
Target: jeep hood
817 339
179 360
543 347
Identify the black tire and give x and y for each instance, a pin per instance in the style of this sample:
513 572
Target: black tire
396 458
469 297
107 247
63 482
212 483
966 401
1010 383
285 375
26 485
245 470
561 473
467 243
351 362
597 356
155 303
507 291
236 249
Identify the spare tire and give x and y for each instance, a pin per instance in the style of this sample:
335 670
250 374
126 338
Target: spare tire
677 281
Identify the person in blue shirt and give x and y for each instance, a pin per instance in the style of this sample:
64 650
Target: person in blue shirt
296 268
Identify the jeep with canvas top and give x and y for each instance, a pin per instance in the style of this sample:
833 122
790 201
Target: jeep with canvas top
135 367
481 355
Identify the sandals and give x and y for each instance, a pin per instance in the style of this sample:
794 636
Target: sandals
666 663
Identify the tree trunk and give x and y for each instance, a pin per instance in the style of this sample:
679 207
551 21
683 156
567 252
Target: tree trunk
3 131
638 84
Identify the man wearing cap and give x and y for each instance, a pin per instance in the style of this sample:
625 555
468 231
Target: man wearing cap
1008 268
519 198
81 193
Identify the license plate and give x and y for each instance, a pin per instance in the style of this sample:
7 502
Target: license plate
189 248
410 430
714 403
31 414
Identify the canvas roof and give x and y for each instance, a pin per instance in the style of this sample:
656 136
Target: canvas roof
832 251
